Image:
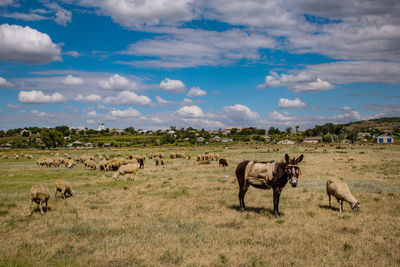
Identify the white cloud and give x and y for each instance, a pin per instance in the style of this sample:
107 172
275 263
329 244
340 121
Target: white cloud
345 108
38 113
351 115
137 14
301 82
287 103
315 86
162 102
38 97
63 17
73 53
127 113
24 16
91 121
128 98
11 106
71 80
195 47
173 86
190 112
281 117
240 113
92 113
196 91
390 110
5 83
6 2
24 44
89 98
117 83
345 72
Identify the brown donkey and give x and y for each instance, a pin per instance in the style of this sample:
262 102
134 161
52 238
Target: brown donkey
285 171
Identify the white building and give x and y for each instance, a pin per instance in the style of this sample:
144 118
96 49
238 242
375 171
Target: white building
100 126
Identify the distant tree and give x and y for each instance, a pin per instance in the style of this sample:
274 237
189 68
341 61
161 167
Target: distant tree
297 129
34 130
63 129
273 130
288 130
261 132
234 131
130 130
52 138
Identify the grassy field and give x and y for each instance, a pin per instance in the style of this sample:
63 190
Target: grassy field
185 214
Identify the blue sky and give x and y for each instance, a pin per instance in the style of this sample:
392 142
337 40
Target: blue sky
205 64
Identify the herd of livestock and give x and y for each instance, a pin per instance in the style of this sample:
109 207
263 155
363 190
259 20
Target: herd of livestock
40 194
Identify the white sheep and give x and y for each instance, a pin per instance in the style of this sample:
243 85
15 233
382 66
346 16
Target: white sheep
128 168
63 187
39 194
340 190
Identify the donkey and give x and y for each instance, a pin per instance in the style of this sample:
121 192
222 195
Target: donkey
285 171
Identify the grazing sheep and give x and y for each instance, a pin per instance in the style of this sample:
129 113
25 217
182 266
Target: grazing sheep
102 165
69 163
16 156
141 163
202 162
340 190
159 162
64 188
91 165
39 194
128 168
222 162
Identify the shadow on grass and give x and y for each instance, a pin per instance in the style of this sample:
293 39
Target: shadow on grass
258 210
326 207
37 209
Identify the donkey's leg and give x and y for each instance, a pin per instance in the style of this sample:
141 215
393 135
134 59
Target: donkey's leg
341 206
242 192
277 194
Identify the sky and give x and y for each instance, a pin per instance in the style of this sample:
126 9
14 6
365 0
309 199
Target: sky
151 64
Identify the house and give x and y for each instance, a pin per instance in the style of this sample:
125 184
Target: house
226 140
117 131
106 145
286 142
77 143
67 137
384 139
171 132
89 144
6 146
267 138
216 139
200 139
313 140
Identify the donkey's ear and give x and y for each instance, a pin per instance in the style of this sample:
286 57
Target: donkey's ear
287 159
299 159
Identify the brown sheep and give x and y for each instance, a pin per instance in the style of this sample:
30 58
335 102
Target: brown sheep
222 162
63 187
39 194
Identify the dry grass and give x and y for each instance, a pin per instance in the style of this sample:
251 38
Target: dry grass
188 215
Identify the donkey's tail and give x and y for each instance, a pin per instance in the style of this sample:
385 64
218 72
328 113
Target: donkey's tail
240 172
